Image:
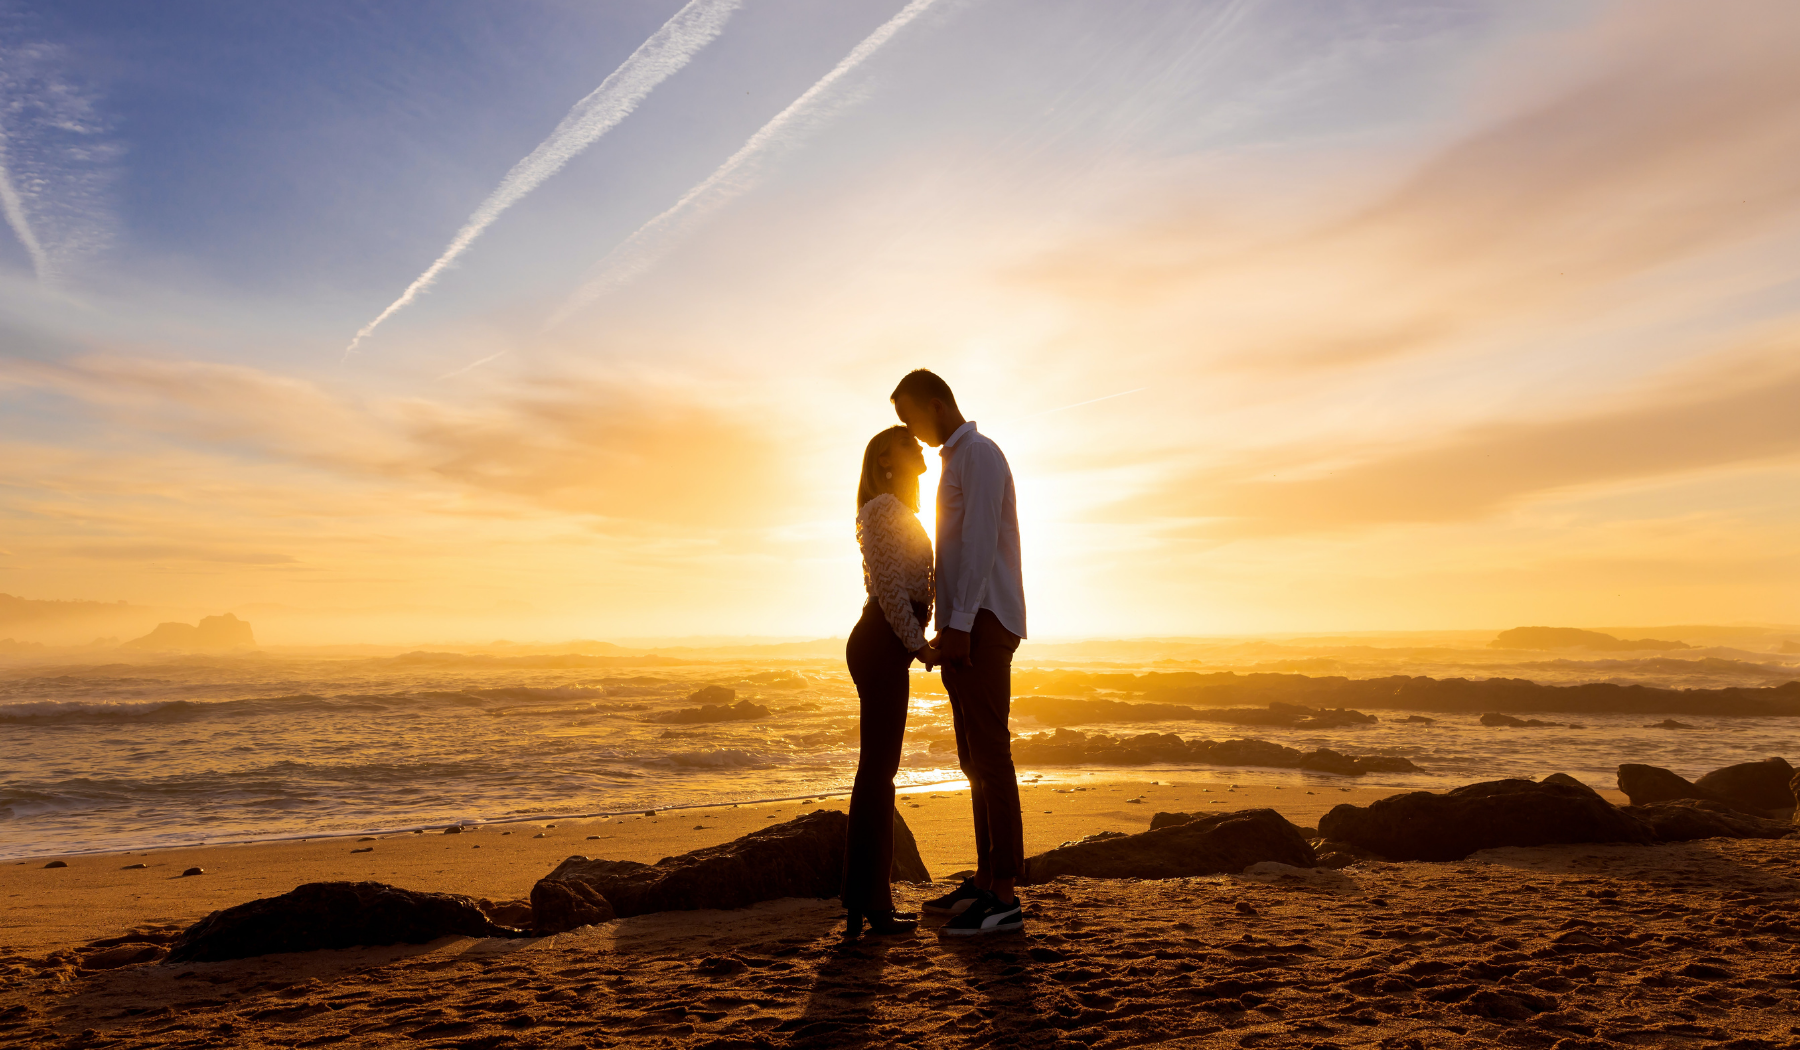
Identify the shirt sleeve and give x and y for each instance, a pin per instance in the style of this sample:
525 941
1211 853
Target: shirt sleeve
884 555
984 474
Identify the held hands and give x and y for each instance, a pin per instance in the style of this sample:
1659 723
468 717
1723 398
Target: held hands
952 647
928 656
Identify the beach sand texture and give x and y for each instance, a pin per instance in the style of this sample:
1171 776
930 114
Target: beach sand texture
1580 947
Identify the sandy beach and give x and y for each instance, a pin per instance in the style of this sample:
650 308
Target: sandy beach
1572 947
100 895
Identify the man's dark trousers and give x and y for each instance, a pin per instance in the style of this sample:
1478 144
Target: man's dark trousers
980 704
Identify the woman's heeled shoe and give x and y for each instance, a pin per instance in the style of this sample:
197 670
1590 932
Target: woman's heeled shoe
881 924
891 924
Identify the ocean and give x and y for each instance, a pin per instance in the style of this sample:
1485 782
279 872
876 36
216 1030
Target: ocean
109 757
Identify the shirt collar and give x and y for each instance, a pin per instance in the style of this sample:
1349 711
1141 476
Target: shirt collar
950 443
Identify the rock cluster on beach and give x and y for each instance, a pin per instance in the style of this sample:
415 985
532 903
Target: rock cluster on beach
803 857
1424 825
1067 747
1573 947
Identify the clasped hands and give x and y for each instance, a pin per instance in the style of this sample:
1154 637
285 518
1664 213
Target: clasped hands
949 647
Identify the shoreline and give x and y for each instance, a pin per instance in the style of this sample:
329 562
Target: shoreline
1046 774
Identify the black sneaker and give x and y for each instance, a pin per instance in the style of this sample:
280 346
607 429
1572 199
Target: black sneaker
986 915
956 900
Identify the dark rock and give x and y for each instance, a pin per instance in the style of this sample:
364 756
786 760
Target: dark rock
453 829
193 871
1509 722
908 865
1419 720
332 915
1325 760
560 905
803 857
1644 785
742 711
1669 723
133 867
514 913
1068 747
1686 819
57 864
1752 785
1220 844
712 694
1567 781
1421 825
123 955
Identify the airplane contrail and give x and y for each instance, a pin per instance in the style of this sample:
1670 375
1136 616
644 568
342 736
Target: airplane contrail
656 59
14 208
627 260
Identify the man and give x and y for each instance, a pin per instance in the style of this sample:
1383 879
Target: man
980 620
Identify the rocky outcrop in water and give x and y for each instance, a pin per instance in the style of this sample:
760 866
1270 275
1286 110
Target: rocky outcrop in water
211 633
742 711
1575 638
1214 844
333 915
1067 747
1509 722
1422 825
1060 711
1228 689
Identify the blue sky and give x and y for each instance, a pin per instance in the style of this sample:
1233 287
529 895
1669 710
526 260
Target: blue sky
1394 293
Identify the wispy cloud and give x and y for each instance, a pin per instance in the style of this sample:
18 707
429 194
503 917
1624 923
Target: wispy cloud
55 159
661 56
639 251
16 218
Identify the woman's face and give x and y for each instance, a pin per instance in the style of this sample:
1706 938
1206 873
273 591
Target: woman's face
904 457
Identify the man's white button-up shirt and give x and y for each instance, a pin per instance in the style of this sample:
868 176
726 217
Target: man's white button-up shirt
977 535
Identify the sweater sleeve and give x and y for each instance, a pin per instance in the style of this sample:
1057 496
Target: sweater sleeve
884 556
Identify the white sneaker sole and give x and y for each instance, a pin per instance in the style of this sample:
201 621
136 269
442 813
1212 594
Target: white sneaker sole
1005 927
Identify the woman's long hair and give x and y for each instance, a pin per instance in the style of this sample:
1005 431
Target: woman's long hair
904 486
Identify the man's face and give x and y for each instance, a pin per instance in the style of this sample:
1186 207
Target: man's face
920 421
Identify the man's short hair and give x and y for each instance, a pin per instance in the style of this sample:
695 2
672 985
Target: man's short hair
922 384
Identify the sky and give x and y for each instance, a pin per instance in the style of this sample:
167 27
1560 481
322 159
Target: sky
552 319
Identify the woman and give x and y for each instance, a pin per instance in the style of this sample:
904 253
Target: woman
896 556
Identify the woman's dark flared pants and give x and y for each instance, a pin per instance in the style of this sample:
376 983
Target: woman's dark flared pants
878 665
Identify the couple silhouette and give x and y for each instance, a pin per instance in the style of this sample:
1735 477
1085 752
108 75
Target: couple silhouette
973 579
